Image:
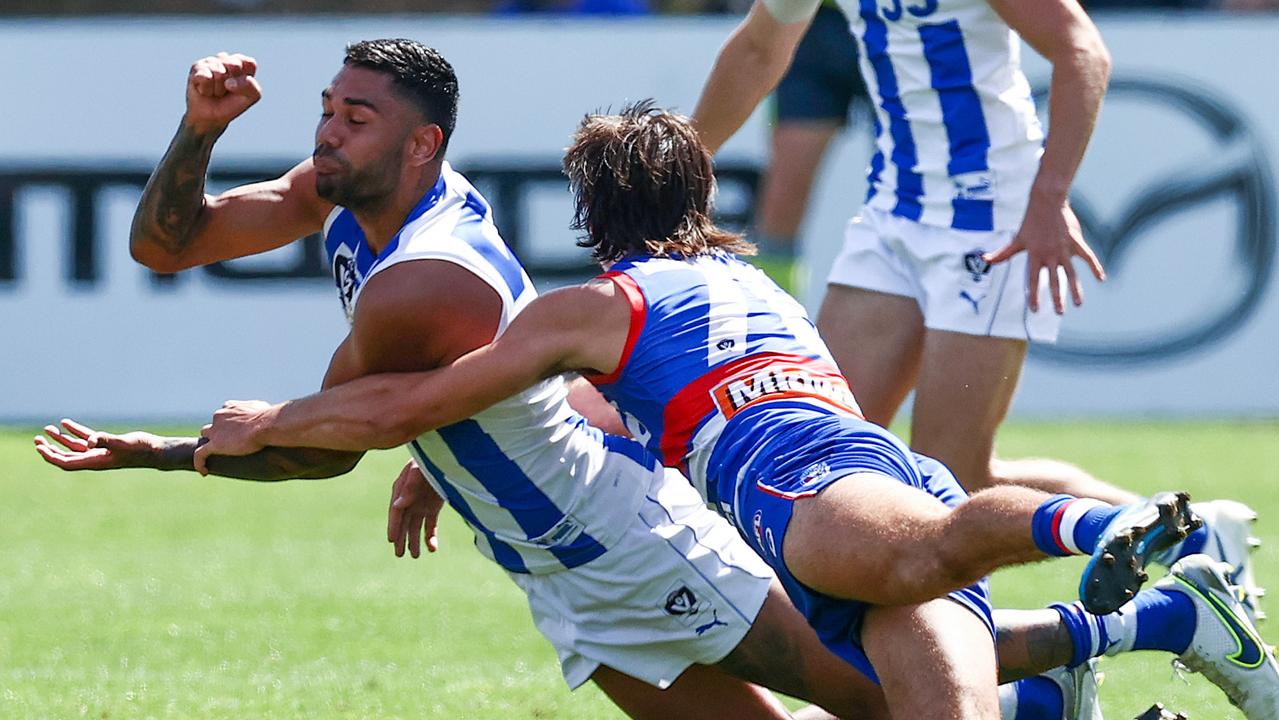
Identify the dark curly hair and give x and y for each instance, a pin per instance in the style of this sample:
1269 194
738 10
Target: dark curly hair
642 183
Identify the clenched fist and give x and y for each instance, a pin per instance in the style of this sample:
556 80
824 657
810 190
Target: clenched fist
219 89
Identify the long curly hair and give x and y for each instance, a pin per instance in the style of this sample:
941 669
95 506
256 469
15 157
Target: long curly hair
642 184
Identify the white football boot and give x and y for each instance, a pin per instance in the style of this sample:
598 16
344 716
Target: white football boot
1157 712
1226 647
1078 691
1230 540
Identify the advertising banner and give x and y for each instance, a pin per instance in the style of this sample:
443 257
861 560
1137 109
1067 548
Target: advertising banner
1177 195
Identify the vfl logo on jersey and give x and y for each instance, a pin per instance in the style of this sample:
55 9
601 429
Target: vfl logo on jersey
681 601
779 382
976 265
691 610
346 279
978 269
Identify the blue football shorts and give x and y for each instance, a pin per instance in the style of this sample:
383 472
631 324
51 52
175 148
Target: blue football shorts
803 461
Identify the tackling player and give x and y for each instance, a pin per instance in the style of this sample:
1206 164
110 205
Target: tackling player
722 374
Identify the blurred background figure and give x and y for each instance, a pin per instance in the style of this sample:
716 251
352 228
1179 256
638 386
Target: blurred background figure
812 104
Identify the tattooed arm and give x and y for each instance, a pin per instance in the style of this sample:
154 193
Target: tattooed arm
178 226
76 447
73 446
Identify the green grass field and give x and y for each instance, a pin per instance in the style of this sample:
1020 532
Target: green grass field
141 594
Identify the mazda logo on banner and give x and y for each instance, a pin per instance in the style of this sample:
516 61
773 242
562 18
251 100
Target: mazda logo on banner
1196 309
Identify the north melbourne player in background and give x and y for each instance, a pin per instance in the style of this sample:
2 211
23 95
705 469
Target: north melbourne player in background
720 373
941 280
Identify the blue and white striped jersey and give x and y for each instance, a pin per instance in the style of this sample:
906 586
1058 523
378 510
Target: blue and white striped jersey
957 139
538 485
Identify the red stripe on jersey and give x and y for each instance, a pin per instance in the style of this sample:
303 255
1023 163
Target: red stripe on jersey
736 385
639 313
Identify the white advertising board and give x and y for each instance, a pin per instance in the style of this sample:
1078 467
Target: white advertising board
1177 192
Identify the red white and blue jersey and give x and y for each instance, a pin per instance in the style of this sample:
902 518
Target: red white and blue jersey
957 138
537 484
716 355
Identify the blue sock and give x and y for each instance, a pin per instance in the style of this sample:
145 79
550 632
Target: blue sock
1156 619
1092 523
1067 525
1038 698
1089 637
1192 544
1165 620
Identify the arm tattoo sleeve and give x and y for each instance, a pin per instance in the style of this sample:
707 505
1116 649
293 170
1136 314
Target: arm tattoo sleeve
271 464
174 196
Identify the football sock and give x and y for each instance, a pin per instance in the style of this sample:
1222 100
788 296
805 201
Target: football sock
1033 698
1067 525
1155 619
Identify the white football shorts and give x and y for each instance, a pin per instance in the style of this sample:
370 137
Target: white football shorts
680 587
942 268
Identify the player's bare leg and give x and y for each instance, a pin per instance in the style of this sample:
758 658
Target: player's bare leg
782 651
947 639
1030 642
699 687
797 150
965 386
876 339
870 537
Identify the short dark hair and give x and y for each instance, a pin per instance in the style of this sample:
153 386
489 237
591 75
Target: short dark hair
642 182
426 78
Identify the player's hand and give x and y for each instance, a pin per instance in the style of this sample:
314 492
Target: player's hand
234 431
1051 236
77 447
219 89
414 512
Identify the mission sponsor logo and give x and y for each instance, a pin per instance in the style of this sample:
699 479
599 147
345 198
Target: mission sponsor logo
783 382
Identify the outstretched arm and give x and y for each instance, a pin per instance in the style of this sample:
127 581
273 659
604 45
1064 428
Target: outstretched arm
178 226
579 328
1050 234
751 63
78 447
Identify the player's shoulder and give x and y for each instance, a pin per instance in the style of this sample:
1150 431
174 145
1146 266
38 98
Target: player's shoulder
429 302
458 225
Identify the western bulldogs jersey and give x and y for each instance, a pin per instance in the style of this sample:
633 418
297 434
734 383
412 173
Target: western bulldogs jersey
539 486
716 354
957 138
